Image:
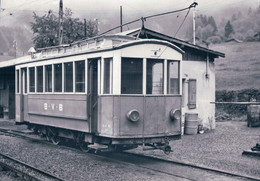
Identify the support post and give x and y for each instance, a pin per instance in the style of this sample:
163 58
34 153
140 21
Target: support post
121 19
194 31
60 22
85 28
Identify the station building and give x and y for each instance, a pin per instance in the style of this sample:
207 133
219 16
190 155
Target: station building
197 72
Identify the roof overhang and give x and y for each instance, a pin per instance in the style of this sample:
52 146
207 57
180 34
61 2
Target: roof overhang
145 33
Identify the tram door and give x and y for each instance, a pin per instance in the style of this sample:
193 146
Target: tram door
93 93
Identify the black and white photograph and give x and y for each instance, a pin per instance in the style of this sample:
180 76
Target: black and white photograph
128 90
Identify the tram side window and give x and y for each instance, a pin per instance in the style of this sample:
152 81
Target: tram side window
80 76
132 76
154 81
107 75
173 77
40 79
68 77
48 78
58 77
32 79
24 71
17 81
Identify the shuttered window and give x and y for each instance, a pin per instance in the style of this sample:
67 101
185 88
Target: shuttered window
192 93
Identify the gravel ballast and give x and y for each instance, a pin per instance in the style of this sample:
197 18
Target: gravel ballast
220 149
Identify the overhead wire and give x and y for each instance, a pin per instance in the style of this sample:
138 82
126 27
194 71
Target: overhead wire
13 10
182 23
194 4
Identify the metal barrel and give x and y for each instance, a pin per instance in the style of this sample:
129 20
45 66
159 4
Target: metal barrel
253 115
191 123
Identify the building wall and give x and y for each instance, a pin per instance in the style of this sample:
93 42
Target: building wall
205 91
7 99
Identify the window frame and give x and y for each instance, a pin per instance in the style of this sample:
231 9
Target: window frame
142 74
37 91
65 77
62 79
29 82
17 82
85 76
163 75
45 81
168 77
103 63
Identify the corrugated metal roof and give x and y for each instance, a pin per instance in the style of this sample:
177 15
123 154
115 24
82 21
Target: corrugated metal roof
137 32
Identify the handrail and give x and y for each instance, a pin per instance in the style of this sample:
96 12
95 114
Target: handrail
238 103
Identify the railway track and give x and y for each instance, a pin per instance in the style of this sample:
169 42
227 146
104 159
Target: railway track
169 167
25 171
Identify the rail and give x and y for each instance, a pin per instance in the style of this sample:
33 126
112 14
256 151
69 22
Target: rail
43 173
237 103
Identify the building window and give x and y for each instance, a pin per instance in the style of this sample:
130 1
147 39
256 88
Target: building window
68 77
173 77
80 76
48 78
58 77
107 75
40 79
32 79
132 76
192 93
17 81
154 76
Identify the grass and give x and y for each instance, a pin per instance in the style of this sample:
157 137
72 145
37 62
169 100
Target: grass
240 69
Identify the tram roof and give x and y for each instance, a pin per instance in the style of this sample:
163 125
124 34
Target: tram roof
91 45
111 41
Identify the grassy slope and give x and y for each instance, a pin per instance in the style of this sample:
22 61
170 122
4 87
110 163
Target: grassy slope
240 69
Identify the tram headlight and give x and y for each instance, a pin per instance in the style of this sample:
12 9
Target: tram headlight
175 114
133 115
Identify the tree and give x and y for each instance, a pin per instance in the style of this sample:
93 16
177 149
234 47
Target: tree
228 29
46 27
212 22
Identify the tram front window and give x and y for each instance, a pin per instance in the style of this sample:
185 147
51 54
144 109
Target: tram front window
154 76
132 76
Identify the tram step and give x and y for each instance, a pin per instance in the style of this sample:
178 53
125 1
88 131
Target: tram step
252 153
97 146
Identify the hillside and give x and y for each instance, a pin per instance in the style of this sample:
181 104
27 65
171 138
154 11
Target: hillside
240 69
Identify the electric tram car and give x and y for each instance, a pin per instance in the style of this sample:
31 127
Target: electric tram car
115 91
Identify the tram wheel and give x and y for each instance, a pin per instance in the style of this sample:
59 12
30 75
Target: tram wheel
82 144
52 136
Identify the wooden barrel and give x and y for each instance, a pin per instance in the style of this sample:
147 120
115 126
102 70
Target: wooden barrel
253 115
191 123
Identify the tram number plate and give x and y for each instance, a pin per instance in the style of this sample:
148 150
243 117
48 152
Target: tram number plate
51 106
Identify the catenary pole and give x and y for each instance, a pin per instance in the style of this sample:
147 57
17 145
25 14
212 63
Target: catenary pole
60 22
194 26
121 19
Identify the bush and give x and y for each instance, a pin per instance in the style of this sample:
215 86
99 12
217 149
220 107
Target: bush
235 110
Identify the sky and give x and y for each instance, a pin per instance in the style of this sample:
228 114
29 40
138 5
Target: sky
111 6
107 11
